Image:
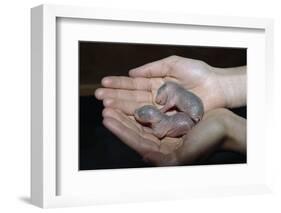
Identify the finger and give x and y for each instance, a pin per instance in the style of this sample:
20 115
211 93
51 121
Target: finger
122 82
130 123
131 95
125 120
160 68
128 136
127 107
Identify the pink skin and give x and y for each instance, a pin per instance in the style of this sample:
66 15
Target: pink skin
171 95
160 124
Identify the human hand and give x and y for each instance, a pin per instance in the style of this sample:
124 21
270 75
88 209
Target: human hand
219 129
216 87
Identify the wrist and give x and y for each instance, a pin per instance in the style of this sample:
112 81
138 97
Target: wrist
232 84
214 97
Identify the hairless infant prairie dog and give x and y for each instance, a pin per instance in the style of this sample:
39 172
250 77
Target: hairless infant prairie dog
171 95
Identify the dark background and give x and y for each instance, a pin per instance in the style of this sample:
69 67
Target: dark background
98 147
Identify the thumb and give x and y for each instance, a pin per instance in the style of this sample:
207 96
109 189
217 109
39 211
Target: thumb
159 68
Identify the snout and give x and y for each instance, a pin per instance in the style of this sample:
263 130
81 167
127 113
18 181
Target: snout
136 114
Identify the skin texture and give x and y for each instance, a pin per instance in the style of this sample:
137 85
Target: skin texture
219 129
189 107
172 95
161 124
216 87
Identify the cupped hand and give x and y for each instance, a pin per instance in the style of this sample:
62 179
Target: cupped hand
129 93
130 132
202 140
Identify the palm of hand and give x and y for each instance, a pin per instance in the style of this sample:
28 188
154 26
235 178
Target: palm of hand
193 75
126 94
158 152
123 95
202 140
129 93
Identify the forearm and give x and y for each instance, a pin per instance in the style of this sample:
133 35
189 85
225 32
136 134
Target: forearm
233 84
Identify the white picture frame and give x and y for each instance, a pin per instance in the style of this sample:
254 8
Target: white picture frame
45 163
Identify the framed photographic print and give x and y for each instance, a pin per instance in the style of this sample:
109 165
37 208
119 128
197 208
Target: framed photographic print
130 106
